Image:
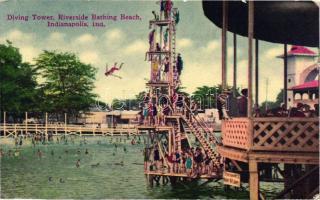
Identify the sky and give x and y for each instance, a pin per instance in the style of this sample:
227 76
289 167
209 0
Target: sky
198 41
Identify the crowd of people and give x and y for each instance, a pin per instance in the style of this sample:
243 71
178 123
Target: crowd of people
191 161
153 112
162 64
300 110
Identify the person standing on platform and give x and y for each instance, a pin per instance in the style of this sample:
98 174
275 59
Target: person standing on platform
158 48
154 114
166 68
179 64
165 38
151 39
162 7
189 164
168 7
155 15
154 70
156 157
242 102
176 16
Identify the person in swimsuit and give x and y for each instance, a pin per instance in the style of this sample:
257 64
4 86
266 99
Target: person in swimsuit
159 114
189 164
150 113
145 114
112 70
177 162
156 157
39 153
78 163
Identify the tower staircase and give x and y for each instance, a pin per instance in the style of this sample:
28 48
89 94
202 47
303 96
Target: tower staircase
200 131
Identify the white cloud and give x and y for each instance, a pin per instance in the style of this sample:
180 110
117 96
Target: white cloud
85 39
184 43
212 45
18 37
136 47
56 36
115 35
272 53
89 57
29 53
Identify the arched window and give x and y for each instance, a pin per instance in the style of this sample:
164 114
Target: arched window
297 96
305 96
312 75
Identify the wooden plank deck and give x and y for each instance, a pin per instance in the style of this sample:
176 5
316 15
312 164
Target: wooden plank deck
206 176
269 157
154 127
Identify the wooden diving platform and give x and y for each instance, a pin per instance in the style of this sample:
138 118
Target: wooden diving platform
154 127
160 22
184 175
158 52
158 84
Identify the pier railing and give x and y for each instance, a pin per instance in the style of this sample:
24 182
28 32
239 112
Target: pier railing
16 129
272 134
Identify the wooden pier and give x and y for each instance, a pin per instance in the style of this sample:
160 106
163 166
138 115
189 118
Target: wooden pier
13 130
254 147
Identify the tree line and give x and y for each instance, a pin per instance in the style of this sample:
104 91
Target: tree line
57 83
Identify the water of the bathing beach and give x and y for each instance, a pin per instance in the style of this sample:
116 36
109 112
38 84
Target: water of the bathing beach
27 176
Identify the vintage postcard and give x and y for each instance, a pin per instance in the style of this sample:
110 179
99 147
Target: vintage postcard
163 99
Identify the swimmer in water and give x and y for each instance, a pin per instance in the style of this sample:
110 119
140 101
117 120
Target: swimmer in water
87 152
61 180
78 152
78 163
124 149
113 153
50 179
52 153
16 153
39 153
95 165
121 163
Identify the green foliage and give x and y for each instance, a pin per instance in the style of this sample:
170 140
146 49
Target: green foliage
206 95
17 81
273 104
68 83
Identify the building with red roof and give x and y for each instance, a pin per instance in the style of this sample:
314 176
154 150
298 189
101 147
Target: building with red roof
302 76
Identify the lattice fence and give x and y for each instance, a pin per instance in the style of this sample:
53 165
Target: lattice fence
236 133
286 134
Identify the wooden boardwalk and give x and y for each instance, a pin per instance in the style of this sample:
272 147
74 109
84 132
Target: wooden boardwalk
184 175
8 130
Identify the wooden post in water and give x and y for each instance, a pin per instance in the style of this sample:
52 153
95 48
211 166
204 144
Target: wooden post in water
234 64
26 123
253 180
170 141
65 123
253 165
15 130
224 44
4 124
46 130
